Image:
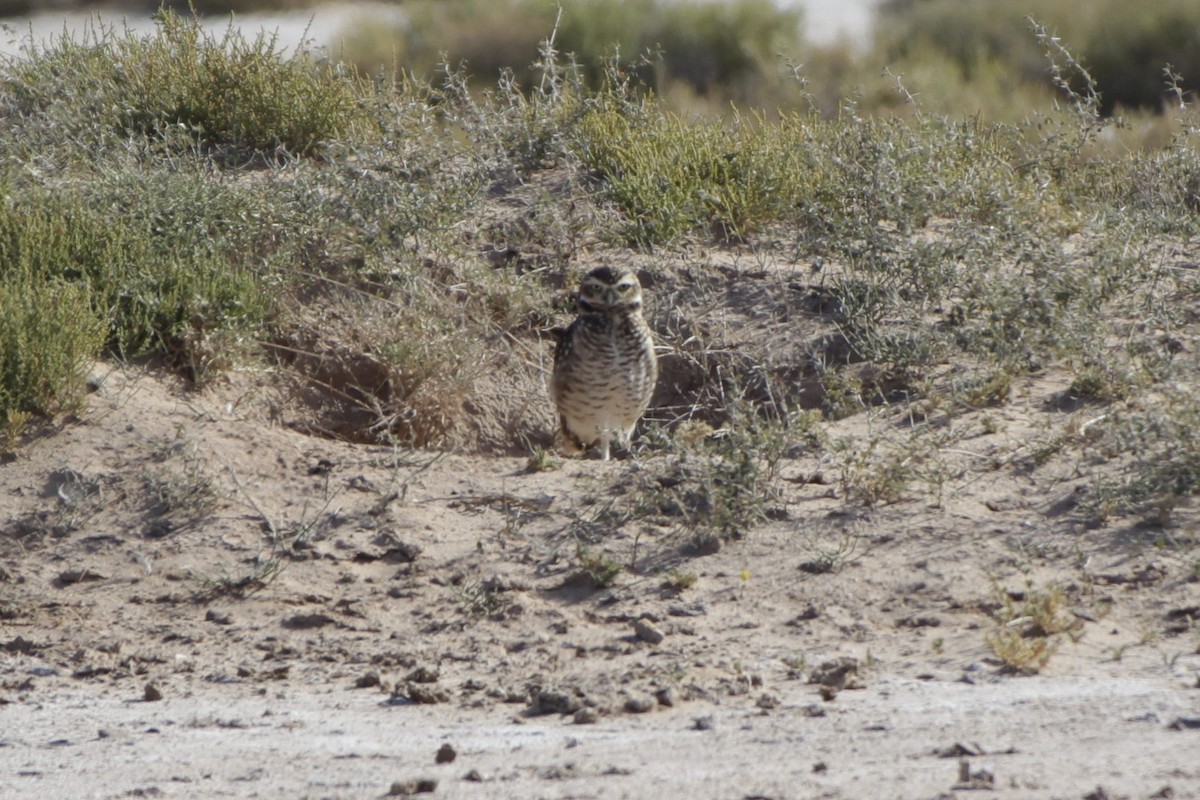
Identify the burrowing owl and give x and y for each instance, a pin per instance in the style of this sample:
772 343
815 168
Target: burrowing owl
604 365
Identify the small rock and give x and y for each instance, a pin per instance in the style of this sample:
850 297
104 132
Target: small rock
423 675
1184 724
426 694
648 632
814 710
367 680
810 612
838 673
446 754
152 694
705 723
688 610
555 701
73 576
973 779
639 703
668 696
767 702
218 617
307 621
473 776
390 549
958 750
414 786
820 766
586 716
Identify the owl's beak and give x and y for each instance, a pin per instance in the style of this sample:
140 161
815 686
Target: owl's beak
612 297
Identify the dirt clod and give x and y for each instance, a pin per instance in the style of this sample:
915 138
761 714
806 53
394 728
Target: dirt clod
556 701
412 786
218 617
639 703
768 701
648 631
837 674
367 680
301 622
426 693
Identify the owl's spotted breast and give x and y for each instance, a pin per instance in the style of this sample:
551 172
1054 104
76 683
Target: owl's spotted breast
605 368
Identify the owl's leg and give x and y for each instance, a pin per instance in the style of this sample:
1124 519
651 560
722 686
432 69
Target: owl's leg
605 437
567 440
626 440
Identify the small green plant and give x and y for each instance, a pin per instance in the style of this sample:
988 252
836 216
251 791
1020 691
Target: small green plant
600 569
49 334
717 484
677 580
189 494
264 569
874 473
542 460
1030 629
1159 470
482 598
992 391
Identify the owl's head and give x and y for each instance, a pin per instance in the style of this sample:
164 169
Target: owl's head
610 290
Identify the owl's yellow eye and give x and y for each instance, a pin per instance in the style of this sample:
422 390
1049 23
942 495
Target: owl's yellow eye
624 287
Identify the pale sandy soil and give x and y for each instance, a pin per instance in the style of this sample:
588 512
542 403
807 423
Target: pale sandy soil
453 580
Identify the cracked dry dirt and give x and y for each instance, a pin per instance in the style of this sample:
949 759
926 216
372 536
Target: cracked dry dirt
196 601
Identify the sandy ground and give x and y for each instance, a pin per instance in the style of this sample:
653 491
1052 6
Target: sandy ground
899 738
198 601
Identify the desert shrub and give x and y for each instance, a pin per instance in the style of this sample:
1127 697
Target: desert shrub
49 334
1158 470
1124 50
670 176
155 293
182 85
704 44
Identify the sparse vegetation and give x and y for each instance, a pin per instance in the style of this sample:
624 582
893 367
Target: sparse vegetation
359 239
1030 628
598 568
899 350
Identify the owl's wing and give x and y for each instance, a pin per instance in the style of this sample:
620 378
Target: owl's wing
562 345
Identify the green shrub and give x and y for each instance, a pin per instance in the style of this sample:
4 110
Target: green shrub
711 46
184 86
1124 49
156 292
49 333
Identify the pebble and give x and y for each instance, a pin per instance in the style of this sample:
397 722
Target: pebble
414 786
639 703
648 632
